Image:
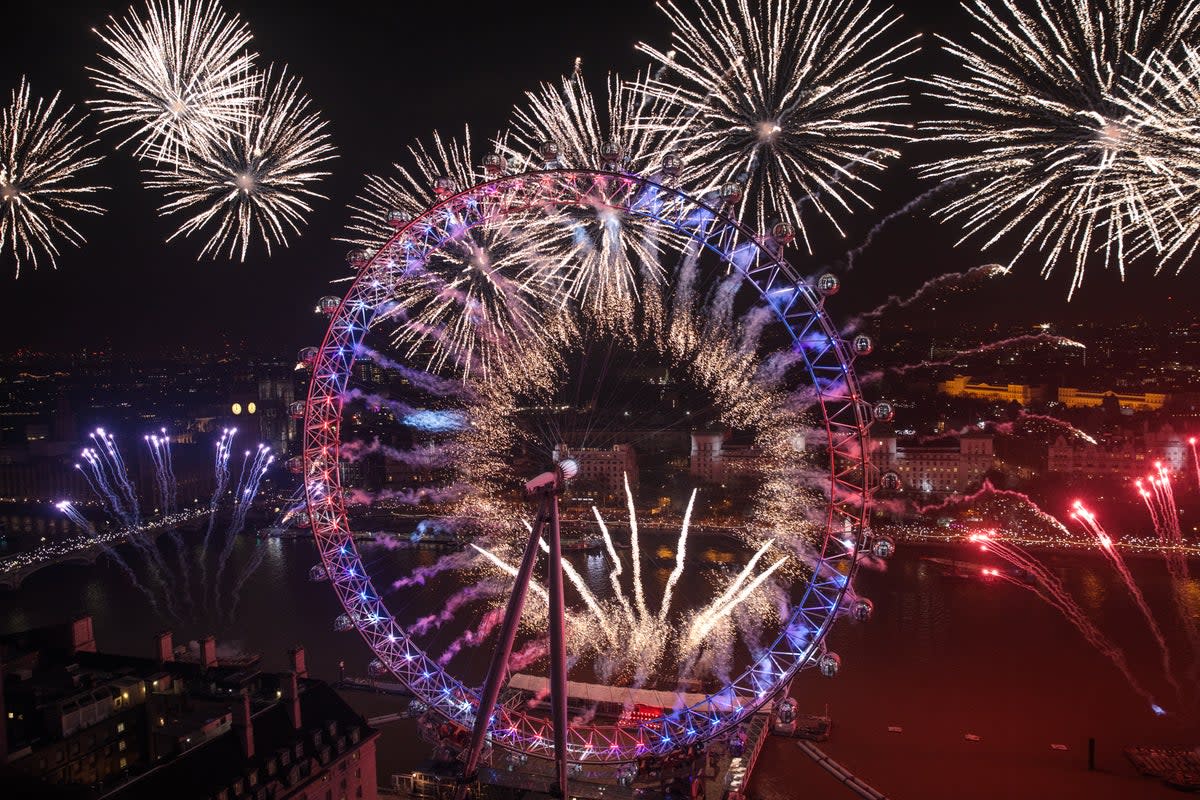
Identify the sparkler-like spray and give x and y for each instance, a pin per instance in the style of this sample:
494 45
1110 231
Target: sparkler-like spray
220 483
1092 525
635 553
242 504
679 559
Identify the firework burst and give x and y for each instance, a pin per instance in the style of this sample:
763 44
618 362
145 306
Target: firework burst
178 79
788 98
257 181
440 168
1050 155
41 157
1166 103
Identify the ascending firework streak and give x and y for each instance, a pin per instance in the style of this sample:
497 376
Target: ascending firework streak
1047 586
1195 458
164 474
1093 526
248 486
679 556
73 514
1164 514
220 482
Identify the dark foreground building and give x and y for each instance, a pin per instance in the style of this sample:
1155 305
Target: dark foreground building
86 724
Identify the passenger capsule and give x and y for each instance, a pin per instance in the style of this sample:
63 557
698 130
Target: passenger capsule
358 258
883 411
398 219
296 409
308 356
549 151
731 192
829 664
883 547
783 232
444 186
295 465
612 155
343 623
891 481
862 345
672 165
317 573
828 284
862 610
328 305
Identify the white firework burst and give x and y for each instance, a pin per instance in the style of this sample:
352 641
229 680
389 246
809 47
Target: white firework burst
1165 102
177 79
42 156
256 181
789 97
1050 156
444 166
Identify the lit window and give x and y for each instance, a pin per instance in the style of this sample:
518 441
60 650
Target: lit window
123 763
121 746
120 727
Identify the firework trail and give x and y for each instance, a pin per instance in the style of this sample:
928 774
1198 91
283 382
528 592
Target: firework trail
164 475
903 211
714 614
984 349
635 553
1093 526
1054 423
1055 160
243 501
679 557
256 182
97 476
988 490
615 574
220 483
1195 458
1164 514
179 78
786 97
420 575
1047 586
110 457
73 514
41 158
580 586
950 281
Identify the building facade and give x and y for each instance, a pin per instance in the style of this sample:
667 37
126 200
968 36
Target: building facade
935 469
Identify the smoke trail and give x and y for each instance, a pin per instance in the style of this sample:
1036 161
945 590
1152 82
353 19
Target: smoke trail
948 280
983 349
906 209
243 502
76 517
419 379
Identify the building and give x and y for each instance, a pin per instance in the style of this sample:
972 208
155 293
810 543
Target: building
961 386
934 469
1126 454
714 460
602 469
1082 398
128 727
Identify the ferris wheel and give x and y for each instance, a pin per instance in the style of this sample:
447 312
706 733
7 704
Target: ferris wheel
508 336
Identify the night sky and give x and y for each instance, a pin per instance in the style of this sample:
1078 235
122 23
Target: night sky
383 75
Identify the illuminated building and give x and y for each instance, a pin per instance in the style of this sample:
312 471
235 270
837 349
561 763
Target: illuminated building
603 468
936 469
961 386
1123 455
1081 398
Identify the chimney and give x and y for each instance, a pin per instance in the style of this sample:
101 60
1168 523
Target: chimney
164 647
244 727
291 698
208 652
296 655
83 640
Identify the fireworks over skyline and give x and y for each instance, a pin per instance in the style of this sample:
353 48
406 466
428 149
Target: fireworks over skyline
254 183
177 79
1045 154
41 156
791 100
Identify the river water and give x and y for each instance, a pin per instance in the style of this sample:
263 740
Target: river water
944 657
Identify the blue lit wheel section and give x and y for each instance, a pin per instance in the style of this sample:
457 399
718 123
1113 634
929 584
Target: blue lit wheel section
836 440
